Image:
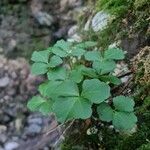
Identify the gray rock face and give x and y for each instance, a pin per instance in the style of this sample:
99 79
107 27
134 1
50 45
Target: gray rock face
4 82
100 21
11 145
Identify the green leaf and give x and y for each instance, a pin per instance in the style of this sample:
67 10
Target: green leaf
86 44
47 89
35 103
95 90
123 103
76 76
104 66
111 79
60 88
114 53
124 121
72 108
55 61
46 108
78 52
58 51
64 45
57 74
93 56
105 112
39 68
40 56
89 72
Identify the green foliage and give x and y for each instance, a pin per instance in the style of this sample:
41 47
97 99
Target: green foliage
115 7
122 116
72 88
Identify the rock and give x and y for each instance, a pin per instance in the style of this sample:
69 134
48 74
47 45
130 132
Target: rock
4 82
67 4
35 121
2 128
3 138
100 21
11 145
33 129
44 18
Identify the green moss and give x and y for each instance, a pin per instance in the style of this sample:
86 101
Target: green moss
115 7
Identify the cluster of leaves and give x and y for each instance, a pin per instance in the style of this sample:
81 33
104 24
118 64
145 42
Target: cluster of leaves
77 79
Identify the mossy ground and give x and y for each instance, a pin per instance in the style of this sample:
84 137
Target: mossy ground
131 18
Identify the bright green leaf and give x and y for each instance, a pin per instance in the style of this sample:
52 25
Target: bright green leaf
123 103
35 103
46 108
89 72
39 68
124 121
95 90
76 76
78 52
55 61
41 56
105 112
114 53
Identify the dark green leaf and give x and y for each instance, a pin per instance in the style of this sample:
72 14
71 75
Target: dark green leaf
111 79
95 90
55 61
93 56
57 74
105 112
123 103
86 44
104 67
72 107
58 51
124 121
114 53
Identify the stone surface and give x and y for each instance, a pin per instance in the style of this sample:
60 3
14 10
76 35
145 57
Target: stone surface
11 145
100 21
4 81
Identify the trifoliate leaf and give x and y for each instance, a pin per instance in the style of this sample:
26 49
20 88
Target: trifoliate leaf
105 112
93 56
57 74
111 79
95 90
86 44
123 103
72 108
35 103
124 120
39 68
114 53
55 61
40 56
104 66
